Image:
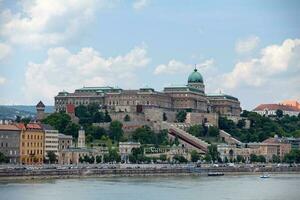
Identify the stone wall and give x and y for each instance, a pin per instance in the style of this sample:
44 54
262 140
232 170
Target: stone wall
199 118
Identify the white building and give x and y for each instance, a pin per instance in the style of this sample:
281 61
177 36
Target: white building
270 109
51 139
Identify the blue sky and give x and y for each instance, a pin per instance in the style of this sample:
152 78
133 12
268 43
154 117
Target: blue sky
249 49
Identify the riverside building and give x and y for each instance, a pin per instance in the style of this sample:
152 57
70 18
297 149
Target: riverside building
32 144
51 139
10 142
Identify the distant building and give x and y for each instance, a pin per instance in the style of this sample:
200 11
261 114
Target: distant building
32 144
10 142
64 141
270 109
291 103
51 139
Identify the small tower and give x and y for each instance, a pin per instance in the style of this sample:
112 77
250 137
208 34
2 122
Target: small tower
40 111
81 138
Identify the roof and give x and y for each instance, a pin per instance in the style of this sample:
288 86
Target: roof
20 126
195 77
60 135
222 95
262 107
40 105
9 127
48 127
33 126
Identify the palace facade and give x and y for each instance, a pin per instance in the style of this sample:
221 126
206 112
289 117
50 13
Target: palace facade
190 97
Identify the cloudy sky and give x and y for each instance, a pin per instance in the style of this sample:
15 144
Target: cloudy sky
249 49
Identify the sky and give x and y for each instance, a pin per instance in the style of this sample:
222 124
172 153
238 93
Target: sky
248 49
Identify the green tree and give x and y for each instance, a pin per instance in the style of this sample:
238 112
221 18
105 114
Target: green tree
275 159
239 158
71 129
162 157
98 117
112 156
181 116
213 152
225 160
180 159
293 156
279 113
18 119
241 123
195 156
26 120
3 158
115 130
52 158
196 130
127 118
261 159
213 131
253 158
107 117
59 120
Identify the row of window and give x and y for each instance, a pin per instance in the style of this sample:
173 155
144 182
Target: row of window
32 144
33 152
33 137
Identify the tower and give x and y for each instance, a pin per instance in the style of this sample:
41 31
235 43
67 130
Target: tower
196 80
81 138
40 111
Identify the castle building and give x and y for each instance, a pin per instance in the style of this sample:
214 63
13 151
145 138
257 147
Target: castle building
190 97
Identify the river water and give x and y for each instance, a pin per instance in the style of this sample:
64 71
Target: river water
281 187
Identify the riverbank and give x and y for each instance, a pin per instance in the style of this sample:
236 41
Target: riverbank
136 170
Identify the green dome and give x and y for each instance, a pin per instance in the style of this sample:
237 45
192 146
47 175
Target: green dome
195 77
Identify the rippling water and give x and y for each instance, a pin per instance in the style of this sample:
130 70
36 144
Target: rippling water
281 187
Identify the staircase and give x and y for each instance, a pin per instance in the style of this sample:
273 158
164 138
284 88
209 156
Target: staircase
228 138
185 136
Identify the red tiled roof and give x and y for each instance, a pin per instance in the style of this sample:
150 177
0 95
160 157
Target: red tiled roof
20 126
262 107
9 127
33 126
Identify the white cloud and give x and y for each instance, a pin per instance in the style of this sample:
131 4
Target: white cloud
246 45
140 4
42 22
5 50
177 67
2 80
64 70
274 60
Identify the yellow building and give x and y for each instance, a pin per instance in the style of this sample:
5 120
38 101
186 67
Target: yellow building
32 144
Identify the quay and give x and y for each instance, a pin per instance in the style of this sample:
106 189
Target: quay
101 170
